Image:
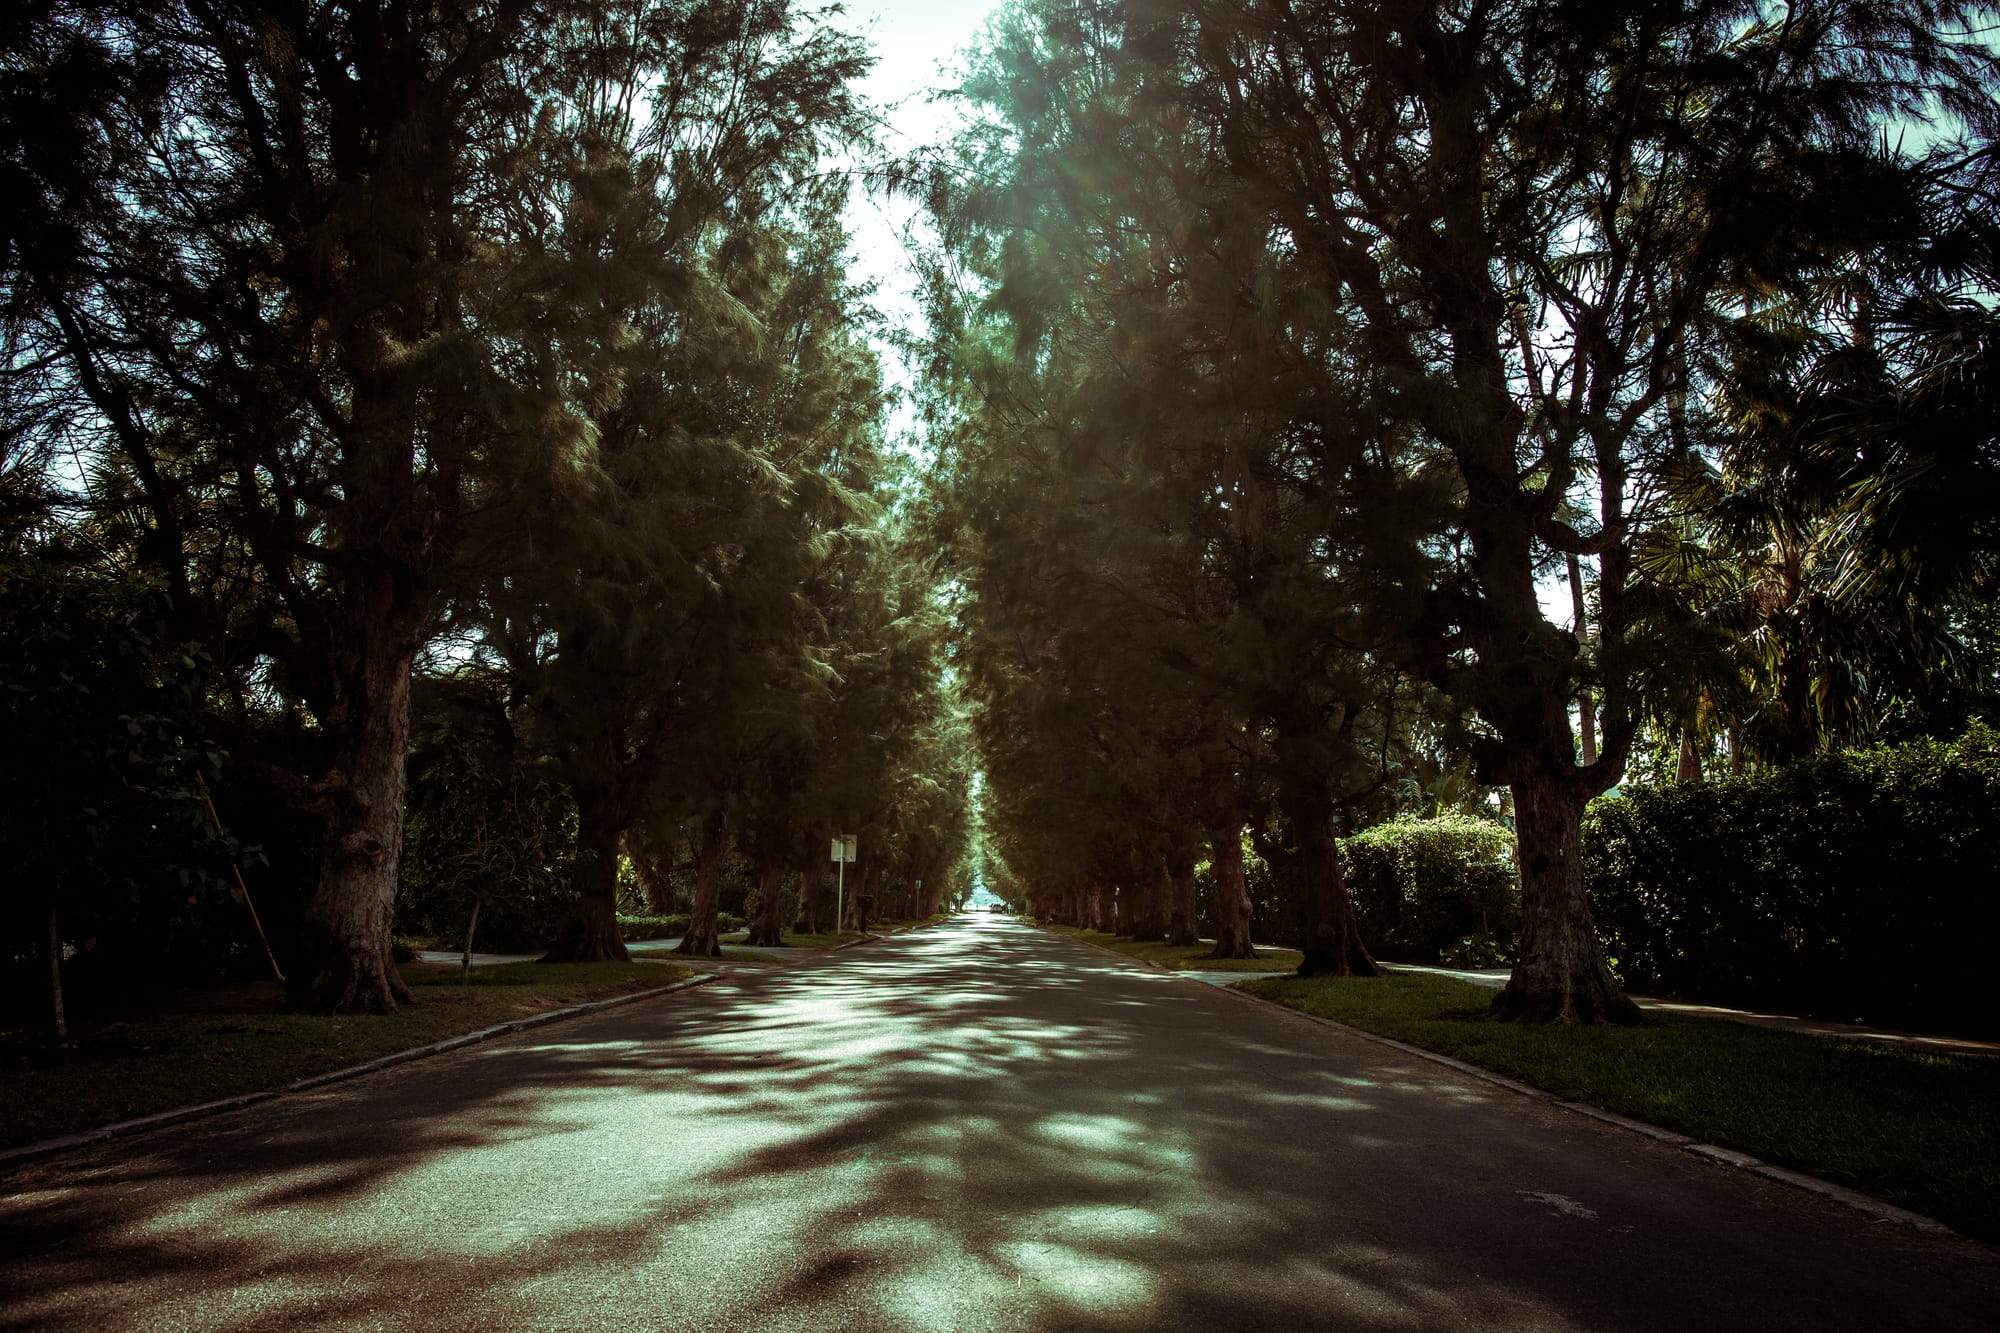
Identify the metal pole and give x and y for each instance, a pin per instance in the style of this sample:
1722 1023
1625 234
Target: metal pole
840 896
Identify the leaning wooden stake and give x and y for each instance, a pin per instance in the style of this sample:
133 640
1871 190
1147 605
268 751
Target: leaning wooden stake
465 967
55 975
243 888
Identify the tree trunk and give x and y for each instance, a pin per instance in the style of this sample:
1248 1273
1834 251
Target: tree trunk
655 871
590 934
1586 707
1232 896
1180 882
702 939
764 928
1147 922
807 920
350 967
1689 769
1329 936
868 881
1562 977
1095 908
1332 944
1119 911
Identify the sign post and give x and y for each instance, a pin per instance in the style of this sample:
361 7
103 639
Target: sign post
843 852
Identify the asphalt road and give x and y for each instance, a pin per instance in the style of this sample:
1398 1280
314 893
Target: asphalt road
972 1127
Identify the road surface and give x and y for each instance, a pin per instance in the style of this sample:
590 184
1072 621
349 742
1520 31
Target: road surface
978 1126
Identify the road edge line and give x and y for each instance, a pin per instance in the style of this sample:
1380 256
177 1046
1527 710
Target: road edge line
180 1115
1880 1209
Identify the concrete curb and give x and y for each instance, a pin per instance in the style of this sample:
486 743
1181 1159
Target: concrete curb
1864 1203
1141 962
872 938
1879 1209
31 1152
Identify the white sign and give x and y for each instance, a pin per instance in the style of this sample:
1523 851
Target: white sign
843 848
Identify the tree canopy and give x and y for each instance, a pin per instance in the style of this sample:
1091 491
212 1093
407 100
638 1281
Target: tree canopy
454 433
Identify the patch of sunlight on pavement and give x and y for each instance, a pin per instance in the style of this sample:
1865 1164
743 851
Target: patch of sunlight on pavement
1091 1281
241 1209
1348 1080
913 1235
952 1131
1397 1291
1095 1133
34 1198
1095 1222
1317 1101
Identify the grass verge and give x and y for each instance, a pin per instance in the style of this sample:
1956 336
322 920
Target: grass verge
1915 1128
906 922
1186 957
826 939
222 1041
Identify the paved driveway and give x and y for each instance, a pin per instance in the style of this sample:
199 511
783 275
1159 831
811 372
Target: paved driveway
976 1126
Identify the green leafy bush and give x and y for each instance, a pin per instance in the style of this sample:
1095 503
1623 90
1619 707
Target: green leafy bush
483 825
1857 886
638 927
103 817
1277 908
634 928
1427 887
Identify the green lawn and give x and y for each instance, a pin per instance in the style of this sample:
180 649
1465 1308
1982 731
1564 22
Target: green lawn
826 939
735 955
1918 1129
906 922
1186 957
233 1039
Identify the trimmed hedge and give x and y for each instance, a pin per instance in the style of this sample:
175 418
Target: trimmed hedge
1859 886
1435 890
635 928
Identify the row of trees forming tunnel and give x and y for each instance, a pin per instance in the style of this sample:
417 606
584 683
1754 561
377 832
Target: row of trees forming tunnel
474 394
1346 408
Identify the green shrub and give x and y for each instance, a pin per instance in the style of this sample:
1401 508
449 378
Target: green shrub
652 927
483 824
1425 887
667 927
1856 886
102 812
1477 952
1277 907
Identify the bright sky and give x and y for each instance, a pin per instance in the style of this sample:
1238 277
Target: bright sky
916 41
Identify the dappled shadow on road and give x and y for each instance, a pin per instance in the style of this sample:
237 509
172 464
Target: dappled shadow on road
976 1126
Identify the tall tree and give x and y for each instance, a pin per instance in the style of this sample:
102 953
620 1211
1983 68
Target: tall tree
1522 220
1158 436
652 601
280 320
